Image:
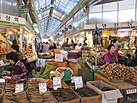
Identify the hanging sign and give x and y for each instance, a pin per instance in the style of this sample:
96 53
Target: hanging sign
2 80
19 88
11 18
24 9
42 88
56 83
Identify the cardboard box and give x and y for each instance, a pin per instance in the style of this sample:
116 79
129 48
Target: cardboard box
59 64
110 96
56 50
93 99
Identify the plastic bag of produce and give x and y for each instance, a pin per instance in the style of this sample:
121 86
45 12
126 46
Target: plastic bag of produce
48 69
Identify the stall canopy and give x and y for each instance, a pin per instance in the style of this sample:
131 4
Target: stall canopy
51 13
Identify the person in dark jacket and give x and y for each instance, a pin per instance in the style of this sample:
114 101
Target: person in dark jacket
134 55
18 71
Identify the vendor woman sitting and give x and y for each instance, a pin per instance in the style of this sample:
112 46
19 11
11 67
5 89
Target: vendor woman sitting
111 56
18 72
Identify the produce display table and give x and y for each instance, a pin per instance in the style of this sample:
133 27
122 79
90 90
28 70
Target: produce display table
31 94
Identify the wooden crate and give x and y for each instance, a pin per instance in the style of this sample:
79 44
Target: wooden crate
71 101
59 64
77 100
93 99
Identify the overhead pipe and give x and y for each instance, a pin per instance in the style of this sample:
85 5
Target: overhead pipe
107 1
50 14
31 12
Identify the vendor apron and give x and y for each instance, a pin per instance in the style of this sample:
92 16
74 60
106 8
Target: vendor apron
112 59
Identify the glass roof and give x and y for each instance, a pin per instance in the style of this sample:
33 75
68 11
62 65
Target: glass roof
51 12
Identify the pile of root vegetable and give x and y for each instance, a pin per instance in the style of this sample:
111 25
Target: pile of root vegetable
29 95
11 97
33 92
118 72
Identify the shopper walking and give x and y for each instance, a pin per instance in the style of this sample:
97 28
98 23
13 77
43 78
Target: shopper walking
46 47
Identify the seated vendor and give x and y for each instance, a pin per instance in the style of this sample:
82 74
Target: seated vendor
18 72
111 56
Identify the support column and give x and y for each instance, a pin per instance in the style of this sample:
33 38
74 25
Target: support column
27 39
1 9
87 13
7 43
20 36
19 3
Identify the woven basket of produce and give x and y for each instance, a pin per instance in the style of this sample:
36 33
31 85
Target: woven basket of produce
9 95
22 96
1 94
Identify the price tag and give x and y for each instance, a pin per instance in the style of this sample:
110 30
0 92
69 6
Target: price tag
131 91
19 88
58 57
56 83
78 82
73 79
42 88
2 80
